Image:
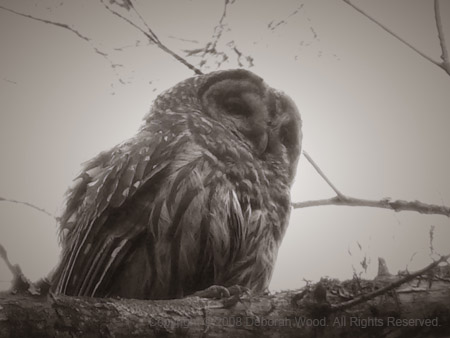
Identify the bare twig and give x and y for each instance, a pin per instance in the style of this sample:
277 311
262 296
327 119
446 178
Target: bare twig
152 37
71 29
4 256
211 46
440 30
272 25
150 31
20 282
218 30
10 81
379 24
397 205
314 164
365 297
385 203
57 24
211 50
28 205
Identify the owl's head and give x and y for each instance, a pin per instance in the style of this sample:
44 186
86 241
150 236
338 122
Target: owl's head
242 106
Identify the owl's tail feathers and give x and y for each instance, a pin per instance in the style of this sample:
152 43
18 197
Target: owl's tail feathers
93 271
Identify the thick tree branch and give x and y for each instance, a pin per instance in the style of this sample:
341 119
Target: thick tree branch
315 311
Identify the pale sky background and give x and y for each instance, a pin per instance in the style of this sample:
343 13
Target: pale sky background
376 116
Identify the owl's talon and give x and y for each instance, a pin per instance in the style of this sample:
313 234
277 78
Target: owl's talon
221 292
237 290
213 292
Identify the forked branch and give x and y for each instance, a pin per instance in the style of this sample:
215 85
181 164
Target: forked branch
151 36
385 203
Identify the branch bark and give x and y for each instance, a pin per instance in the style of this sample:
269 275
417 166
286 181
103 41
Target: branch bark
396 205
415 309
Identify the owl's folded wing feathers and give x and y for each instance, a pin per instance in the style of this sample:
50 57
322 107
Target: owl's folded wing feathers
107 183
139 226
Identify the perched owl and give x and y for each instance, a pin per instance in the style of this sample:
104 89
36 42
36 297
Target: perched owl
199 197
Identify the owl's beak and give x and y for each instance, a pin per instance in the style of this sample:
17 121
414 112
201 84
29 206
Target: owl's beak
263 143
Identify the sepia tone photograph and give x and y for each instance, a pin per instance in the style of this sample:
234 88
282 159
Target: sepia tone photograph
229 168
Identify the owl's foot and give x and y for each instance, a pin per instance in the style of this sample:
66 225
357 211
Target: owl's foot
220 292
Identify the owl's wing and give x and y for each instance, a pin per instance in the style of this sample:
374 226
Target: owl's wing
101 198
153 218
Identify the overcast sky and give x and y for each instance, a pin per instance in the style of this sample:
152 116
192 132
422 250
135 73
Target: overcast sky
376 116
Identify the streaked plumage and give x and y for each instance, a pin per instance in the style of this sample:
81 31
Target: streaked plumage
199 197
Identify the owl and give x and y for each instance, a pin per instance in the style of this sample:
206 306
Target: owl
200 196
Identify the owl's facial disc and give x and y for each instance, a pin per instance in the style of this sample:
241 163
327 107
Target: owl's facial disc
261 117
242 106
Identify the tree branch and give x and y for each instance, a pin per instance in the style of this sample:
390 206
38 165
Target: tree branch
397 205
152 36
440 30
379 24
58 24
272 25
391 286
301 313
212 50
321 173
28 205
386 203
73 30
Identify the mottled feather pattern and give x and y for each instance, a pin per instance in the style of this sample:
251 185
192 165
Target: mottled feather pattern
196 198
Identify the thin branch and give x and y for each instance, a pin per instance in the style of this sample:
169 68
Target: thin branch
379 24
218 30
365 297
211 47
321 173
58 24
397 205
73 30
4 256
28 205
153 38
440 30
10 81
213 51
386 203
272 25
